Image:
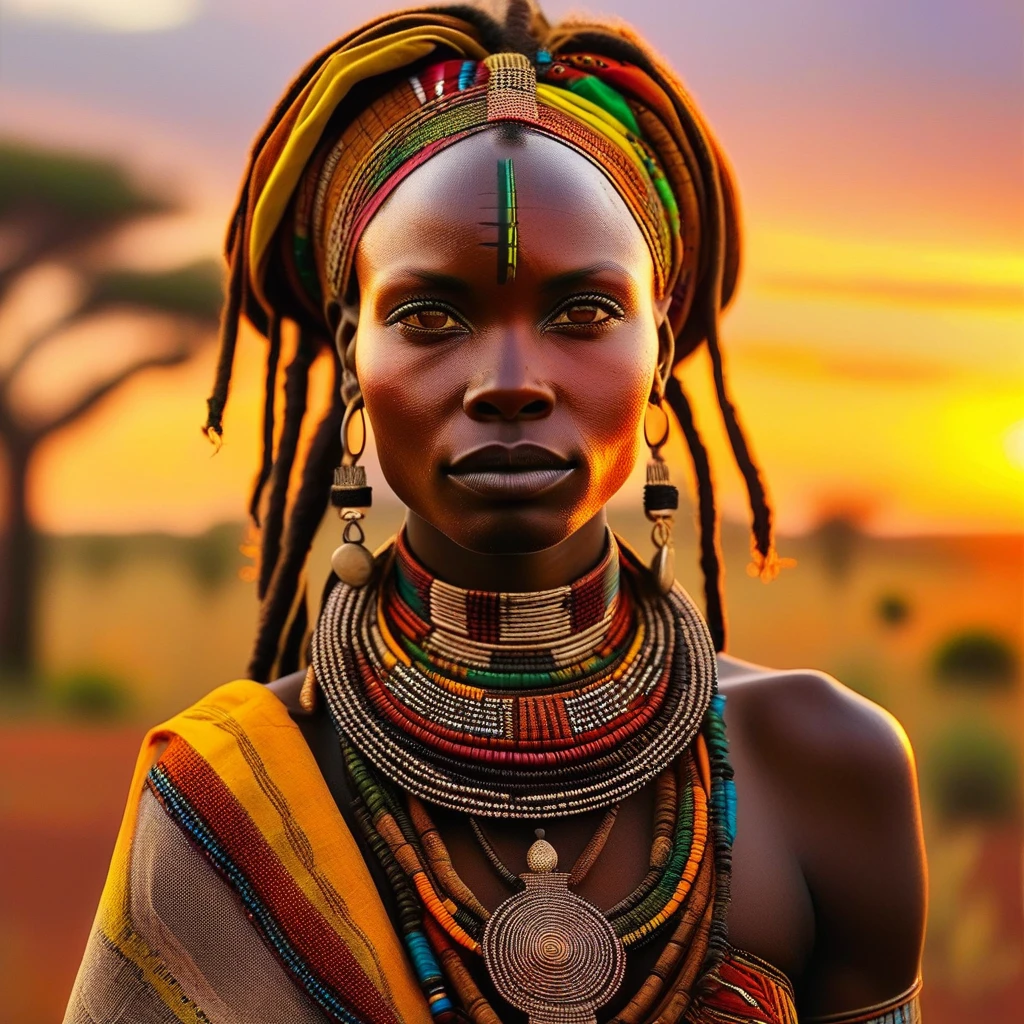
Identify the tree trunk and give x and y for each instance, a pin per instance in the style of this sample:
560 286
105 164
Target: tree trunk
19 552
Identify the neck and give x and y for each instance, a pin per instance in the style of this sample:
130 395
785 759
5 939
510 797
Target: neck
557 566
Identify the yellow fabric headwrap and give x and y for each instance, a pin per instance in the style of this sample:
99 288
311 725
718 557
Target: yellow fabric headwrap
323 94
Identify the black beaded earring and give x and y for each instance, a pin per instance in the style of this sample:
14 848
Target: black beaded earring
661 496
352 497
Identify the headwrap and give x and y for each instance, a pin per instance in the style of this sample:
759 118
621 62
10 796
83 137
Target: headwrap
362 116
375 106
347 180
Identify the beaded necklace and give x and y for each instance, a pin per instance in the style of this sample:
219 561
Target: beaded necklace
544 954
533 706
529 705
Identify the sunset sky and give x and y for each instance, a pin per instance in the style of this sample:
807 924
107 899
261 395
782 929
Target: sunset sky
877 347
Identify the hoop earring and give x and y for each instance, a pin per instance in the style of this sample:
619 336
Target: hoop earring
661 496
352 562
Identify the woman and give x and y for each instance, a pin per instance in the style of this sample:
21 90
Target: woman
502 789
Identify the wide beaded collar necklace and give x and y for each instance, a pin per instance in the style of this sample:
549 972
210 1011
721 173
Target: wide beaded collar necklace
530 705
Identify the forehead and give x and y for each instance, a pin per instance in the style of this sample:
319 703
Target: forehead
444 213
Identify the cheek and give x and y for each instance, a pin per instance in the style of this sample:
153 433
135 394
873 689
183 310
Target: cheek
608 401
407 405
379 370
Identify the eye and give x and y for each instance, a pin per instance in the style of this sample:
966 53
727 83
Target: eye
586 311
426 318
431 320
581 314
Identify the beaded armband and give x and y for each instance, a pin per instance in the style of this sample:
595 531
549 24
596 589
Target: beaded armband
904 1009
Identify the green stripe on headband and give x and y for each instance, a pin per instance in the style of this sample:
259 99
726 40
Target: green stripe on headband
604 96
611 101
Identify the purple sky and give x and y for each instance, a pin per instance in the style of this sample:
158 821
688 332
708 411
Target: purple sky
831 111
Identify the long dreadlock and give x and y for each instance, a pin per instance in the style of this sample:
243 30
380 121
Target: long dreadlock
288 525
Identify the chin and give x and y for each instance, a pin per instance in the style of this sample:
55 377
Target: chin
509 530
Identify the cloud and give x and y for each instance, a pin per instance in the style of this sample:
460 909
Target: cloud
108 15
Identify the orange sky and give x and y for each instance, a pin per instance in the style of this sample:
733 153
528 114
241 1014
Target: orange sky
876 350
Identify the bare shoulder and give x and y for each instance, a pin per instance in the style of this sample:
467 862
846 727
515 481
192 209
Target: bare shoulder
822 723
842 757
842 779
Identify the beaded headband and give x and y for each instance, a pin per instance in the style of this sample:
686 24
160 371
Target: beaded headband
348 180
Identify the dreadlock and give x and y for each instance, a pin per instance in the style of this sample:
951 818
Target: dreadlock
290 492
284 609
269 395
296 395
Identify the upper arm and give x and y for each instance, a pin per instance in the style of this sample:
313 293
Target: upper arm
856 828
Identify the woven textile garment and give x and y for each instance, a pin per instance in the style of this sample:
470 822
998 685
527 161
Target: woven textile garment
237 893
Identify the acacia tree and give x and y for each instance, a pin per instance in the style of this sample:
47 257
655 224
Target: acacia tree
61 209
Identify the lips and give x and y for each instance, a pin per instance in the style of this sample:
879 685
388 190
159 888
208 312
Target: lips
511 472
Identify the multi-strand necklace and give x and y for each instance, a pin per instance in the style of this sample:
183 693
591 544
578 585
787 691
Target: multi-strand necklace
531 705
534 706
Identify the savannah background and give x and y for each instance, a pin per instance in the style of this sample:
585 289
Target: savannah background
875 352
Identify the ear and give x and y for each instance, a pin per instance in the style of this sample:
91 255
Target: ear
346 319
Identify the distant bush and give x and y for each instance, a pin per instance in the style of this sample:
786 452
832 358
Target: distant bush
99 553
213 557
893 609
972 773
976 659
838 539
91 694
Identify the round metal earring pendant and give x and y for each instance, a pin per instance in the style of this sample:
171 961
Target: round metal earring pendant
352 562
663 565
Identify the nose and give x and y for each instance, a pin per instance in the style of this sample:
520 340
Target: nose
510 392
522 403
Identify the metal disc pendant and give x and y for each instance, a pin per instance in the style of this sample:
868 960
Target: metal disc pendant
551 953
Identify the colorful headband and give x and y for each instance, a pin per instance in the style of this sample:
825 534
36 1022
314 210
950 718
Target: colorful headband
346 180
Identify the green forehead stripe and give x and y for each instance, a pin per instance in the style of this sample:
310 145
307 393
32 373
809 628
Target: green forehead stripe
508 226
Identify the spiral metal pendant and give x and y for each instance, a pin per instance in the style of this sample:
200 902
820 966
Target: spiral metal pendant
551 953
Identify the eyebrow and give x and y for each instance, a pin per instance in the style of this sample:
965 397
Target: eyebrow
571 277
433 279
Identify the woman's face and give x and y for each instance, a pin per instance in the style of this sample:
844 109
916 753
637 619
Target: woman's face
505 406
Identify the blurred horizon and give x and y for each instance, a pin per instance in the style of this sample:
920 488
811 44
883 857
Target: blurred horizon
880 161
